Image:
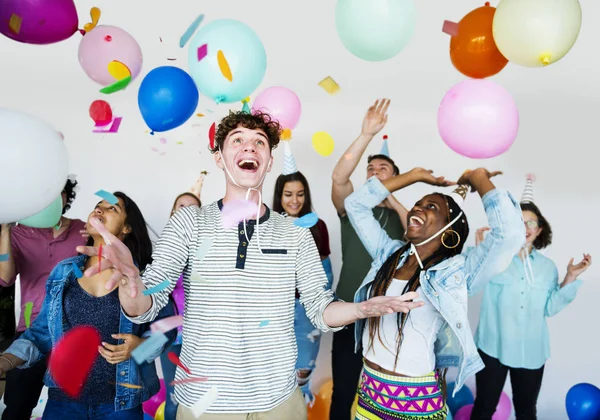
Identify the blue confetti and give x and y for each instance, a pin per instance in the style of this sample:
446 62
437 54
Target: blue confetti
264 323
3 257
190 31
157 288
149 348
105 195
77 271
203 249
307 221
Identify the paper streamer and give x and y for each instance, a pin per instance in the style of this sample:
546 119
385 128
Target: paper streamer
175 360
149 347
113 128
95 15
159 287
264 323
450 28
27 313
130 386
205 402
204 248
307 221
224 66
190 31
117 86
167 324
118 70
235 211
109 197
189 380
77 271
4 257
211 135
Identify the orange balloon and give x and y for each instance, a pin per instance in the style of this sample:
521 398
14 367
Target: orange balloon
320 409
473 50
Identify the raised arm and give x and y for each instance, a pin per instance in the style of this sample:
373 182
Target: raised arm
373 123
8 269
564 293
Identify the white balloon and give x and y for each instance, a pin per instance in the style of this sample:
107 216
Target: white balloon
33 165
536 33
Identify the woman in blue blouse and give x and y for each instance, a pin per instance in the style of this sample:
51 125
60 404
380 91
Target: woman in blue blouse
116 386
512 335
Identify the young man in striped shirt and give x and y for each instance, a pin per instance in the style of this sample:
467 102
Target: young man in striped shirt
240 287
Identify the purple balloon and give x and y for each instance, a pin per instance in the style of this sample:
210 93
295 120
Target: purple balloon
38 21
478 119
149 407
281 103
503 410
464 412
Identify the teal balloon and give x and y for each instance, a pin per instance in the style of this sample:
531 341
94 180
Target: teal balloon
47 218
375 30
243 51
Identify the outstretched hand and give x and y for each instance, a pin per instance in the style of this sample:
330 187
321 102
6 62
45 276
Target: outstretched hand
575 270
115 256
385 305
469 176
426 176
376 117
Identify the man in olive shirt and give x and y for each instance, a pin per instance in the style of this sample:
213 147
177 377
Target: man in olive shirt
356 262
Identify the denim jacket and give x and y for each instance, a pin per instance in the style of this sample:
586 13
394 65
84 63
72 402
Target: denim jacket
447 284
48 328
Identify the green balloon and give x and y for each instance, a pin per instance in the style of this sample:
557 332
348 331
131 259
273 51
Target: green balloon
47 218
375 30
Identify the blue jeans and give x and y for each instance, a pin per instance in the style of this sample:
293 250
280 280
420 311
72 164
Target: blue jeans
58 410
169 369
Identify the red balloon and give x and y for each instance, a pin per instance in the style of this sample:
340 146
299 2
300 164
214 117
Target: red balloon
211 135
73 357
101 112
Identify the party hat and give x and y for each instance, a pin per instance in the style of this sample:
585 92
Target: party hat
527 196
196 189
460 194
384 148
246 107
289 163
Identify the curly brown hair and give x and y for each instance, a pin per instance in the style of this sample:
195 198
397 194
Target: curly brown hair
255 121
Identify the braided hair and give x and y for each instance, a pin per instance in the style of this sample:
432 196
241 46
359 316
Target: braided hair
453 246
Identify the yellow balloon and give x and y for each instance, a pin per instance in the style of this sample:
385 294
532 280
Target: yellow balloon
536 33
160 412
323 143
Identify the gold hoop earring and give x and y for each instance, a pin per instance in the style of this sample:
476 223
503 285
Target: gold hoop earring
453 233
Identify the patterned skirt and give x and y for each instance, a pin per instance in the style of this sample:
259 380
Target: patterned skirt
388 397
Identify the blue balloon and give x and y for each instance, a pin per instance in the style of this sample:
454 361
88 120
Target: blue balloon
583 402
47 218
243 52
148 417
463 397
167 98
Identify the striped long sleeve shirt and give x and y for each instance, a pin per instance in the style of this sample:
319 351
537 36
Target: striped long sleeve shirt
238 328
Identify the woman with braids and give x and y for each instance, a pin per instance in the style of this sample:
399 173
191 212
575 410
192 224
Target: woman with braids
405 355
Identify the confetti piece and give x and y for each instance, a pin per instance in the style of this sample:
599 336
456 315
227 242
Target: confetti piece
175 360
202 51
4 257
211 135
105 195
179 142
117 86
163 140
114 127
329 85
204 248
154 149
77 271
15 23
72 359
235 211
307 221
199 115
205 402
190 31
27 314
189 380
323 143
130 386
118 70
224 66
264 323
167 324
171 59
95 15
450 28
159 287
152 345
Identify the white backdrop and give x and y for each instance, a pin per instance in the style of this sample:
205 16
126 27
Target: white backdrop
558 110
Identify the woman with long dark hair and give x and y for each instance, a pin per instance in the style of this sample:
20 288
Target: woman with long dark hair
512 335
405 355
115 387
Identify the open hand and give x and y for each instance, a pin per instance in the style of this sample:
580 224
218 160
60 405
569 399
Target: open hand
468 176
385 305
376 117
119 353
426 176
575 270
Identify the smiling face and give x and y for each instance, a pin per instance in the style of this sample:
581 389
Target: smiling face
293 198
426 218
113 217
246 155
380 168
185 200
532 228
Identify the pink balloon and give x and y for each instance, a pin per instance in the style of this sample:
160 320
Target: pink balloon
464 412
478 119
281 103
149 407
503 409
38 21
105 44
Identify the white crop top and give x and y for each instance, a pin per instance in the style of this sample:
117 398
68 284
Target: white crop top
417 357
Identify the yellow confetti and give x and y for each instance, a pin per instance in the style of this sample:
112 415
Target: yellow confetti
179 142
118 70
286 134
131 386
199 115
224 66
95 15
329 85
15 23
323 143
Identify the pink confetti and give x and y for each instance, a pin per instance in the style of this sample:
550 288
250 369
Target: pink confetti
188 380
167 324
114 127
163 140
450 28
235 211
162 153
154 149
202 51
